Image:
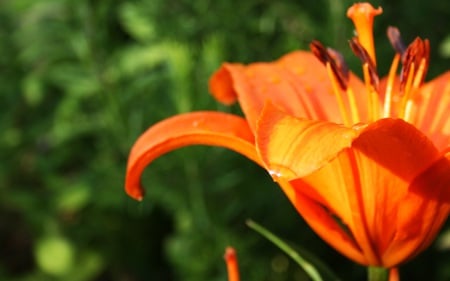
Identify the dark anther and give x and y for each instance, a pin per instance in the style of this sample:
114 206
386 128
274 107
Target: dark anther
394 37
418 50
319 51
338 58
335 59
362 54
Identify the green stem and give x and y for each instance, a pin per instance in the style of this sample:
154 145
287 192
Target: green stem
307 267
377 274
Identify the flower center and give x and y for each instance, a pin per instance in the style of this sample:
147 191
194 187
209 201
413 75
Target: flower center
400 93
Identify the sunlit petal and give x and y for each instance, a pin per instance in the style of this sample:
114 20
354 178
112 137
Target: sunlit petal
390 153
429 197
337 188
292 147
317 213
433 109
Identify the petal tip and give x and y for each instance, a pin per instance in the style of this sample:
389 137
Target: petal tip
137 193
221 84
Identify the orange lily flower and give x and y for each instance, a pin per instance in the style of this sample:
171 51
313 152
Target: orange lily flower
365 162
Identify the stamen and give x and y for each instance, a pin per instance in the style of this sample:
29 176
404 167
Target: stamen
340 62
415 66
420 74
417 81
338 58
373 99
337 93
353 106
232 265
362 54
407 91
371 79
338 73
394 37
407 115
419 49
362 15
338 65
390 85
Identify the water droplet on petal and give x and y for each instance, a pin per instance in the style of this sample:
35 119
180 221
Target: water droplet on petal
278 172
275 174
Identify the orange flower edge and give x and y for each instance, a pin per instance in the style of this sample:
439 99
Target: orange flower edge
292 147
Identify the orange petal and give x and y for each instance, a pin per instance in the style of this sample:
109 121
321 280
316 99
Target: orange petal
297 83
318 216
433 108
422 212
319 153
336 189
221 84
197 128
390 153
366 188
292 147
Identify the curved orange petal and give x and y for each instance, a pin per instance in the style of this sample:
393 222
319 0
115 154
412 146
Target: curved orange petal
292 147
197 128
429 198
390 153
297 83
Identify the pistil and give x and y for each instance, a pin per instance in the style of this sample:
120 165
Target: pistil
362 15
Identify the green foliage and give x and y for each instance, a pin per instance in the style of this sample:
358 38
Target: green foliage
80 80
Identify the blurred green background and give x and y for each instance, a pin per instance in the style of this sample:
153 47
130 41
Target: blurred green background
81 79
